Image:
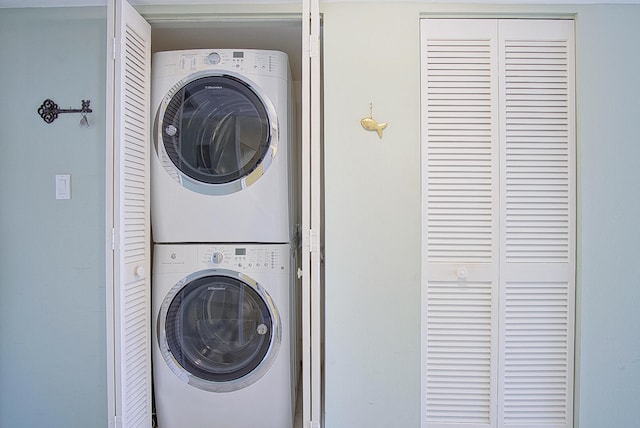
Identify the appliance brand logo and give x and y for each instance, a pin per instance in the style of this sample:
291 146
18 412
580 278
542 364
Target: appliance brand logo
214 288
213 87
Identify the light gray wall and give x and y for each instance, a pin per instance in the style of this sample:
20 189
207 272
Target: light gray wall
372 367
52 260
609 158
372 223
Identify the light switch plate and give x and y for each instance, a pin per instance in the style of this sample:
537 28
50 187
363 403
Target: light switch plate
63 186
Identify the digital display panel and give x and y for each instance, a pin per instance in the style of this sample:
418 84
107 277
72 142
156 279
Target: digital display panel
241 251
238 54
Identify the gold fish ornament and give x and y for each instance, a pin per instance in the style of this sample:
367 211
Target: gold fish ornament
370 124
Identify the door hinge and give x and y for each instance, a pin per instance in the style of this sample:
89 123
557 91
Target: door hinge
314 241
314 46
117 422
310 241
113 239
113 49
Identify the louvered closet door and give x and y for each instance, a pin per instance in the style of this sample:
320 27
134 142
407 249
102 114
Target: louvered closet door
498 222
537 216
131 219
460 197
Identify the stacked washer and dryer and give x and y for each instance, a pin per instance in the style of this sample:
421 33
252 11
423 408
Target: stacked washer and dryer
222 211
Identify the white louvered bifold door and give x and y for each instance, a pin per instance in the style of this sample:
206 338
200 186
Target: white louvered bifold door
498 222
537 204
460 190
133 393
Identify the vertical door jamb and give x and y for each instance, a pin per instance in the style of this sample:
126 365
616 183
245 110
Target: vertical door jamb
109 219
311 218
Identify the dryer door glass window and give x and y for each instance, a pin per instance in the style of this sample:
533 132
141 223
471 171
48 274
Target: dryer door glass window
218 328
216 129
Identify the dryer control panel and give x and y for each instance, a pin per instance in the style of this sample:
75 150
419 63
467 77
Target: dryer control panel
245 61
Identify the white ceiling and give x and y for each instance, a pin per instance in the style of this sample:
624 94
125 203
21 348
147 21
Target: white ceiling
58 3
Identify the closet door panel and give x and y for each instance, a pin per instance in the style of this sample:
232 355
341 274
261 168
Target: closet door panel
460 258
132 400
498 157
537 219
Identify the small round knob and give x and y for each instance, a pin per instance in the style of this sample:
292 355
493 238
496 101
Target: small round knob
462 273
262 329
213 58
217 257
139 271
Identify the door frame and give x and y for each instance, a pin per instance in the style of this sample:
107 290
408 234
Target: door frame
310 268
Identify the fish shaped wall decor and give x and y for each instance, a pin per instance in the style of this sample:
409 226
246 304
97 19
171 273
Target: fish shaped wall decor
370 124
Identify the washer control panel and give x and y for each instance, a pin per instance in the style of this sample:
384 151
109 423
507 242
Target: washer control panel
251 258
248 258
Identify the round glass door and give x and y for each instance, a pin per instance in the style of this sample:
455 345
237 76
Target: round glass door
217 131
220 331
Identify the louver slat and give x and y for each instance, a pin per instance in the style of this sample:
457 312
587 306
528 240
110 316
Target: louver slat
537 221
135 173
460 212
536 354
459 152
537 151
135 237
458 358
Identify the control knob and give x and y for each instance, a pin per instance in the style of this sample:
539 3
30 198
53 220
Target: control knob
217 257
214 58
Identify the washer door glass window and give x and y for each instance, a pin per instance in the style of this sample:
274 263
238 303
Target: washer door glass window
216 130
220 329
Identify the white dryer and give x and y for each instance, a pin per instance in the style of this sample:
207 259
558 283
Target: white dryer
222 130
224 335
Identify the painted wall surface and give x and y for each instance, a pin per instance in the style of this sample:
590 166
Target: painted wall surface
372 367
372 223
609 275
52 296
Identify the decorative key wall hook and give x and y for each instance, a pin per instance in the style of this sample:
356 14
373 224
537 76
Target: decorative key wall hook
49 111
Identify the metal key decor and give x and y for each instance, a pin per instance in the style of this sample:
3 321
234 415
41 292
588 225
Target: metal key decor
49 111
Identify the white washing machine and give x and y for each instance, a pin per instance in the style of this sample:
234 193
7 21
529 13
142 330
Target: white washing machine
223 341
222 129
